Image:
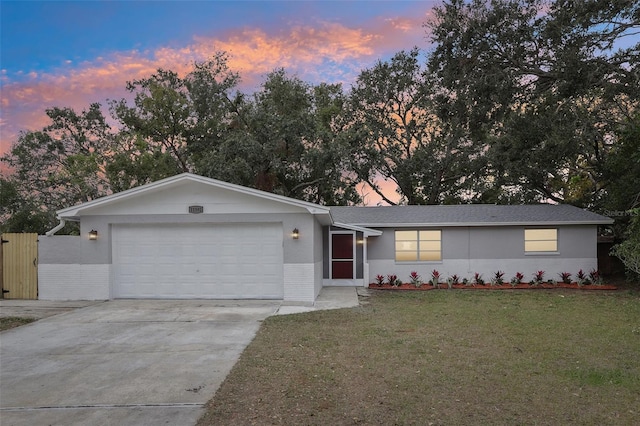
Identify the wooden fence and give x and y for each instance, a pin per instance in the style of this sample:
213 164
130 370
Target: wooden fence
19 266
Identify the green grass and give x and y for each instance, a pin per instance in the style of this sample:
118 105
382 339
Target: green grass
11 322
444 357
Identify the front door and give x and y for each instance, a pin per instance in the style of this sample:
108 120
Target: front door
342 255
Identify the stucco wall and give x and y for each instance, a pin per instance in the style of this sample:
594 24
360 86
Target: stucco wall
65 283
318 279
318 242
65 271
493 242
303 281
302 250
299 282
489 249
175 199
325 251
318 255
59 249
73 282
169 202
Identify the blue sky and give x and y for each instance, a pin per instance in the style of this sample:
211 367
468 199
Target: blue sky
73 53
42 35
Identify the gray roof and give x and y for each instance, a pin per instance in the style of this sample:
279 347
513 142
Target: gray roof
467 215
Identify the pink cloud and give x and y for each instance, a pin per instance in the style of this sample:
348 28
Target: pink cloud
326 51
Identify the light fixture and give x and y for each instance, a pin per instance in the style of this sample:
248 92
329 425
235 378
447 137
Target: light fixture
93 235
296 234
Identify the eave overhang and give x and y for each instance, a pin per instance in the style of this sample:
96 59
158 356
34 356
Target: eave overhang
482 224
367 232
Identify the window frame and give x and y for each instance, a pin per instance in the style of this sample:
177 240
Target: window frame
419 241
540 240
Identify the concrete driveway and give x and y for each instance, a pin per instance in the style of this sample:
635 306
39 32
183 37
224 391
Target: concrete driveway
124 362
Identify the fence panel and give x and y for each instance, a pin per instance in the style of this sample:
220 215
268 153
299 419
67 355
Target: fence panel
20 266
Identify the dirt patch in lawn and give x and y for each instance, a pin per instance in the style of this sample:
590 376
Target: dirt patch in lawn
7 323
443 357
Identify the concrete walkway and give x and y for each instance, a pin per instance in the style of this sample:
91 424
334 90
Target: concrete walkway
129 362
329 298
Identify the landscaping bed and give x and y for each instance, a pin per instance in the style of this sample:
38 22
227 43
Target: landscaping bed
590 281
522 286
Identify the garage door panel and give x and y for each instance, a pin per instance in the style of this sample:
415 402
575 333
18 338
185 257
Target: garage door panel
198 261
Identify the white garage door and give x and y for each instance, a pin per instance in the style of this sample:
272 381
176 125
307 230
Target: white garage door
199 261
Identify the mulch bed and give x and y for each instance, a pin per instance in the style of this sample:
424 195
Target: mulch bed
523 286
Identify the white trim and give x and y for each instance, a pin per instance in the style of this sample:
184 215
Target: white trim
365 263
479 224
542 253
367 232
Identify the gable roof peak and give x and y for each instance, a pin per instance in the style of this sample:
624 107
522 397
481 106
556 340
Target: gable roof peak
74 212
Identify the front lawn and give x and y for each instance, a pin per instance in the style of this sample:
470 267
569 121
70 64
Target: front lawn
445 357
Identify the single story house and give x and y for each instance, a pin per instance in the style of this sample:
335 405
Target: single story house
189 237
476 238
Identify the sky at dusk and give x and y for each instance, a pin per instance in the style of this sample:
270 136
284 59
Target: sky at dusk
73 53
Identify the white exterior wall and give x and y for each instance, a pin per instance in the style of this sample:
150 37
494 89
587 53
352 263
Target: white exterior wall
299 282
318 279
486 250
73 282
68 268
318 255
466 268
367 275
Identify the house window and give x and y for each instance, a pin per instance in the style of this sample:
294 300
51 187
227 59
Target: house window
414 246
540 240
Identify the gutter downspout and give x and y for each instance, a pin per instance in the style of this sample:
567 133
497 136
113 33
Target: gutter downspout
56 229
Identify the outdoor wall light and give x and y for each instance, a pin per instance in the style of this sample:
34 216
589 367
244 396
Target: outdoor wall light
93 235
296 234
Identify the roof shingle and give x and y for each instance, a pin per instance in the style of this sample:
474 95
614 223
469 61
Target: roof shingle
467 214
